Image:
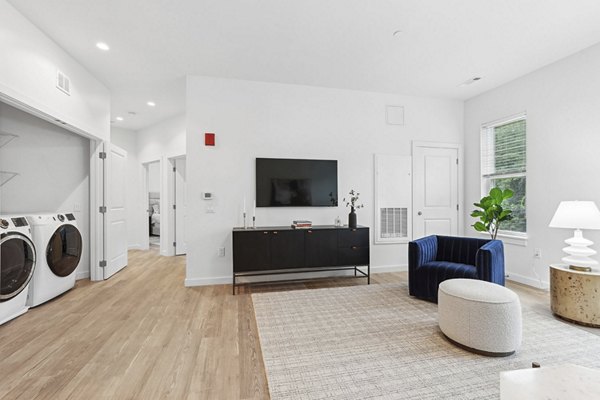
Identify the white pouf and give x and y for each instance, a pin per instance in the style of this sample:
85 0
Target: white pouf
481 316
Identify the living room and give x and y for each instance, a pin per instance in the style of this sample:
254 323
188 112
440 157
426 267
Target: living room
353 83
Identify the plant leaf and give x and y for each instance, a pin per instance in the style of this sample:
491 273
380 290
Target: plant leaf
480 227
496 195
507 194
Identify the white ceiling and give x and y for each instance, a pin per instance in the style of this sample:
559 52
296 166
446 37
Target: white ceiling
332 43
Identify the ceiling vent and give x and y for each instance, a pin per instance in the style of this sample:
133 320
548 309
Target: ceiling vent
63 83
470 81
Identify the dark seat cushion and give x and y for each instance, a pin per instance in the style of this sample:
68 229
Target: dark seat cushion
446 270
435 272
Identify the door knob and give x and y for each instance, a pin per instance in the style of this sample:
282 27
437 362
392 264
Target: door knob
419 213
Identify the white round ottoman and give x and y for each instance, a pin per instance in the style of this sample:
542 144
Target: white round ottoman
480 316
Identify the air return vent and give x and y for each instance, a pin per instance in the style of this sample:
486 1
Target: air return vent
393 223
63 83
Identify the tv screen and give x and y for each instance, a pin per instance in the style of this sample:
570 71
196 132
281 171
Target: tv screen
296 183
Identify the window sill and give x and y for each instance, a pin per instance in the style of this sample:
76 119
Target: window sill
510 239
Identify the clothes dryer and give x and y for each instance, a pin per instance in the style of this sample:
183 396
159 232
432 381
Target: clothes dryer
17 266
59 245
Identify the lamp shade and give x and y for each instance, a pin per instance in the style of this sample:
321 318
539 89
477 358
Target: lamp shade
576 215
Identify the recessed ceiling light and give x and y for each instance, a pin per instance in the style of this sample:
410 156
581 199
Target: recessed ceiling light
102 46
119 118
151 103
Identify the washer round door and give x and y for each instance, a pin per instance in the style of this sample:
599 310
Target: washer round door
17 262
64 250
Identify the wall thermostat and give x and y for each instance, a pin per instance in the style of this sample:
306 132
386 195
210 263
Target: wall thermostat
207 196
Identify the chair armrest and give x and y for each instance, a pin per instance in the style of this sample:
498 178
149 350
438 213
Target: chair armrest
489 262
422 251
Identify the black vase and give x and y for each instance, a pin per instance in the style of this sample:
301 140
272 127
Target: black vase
352 218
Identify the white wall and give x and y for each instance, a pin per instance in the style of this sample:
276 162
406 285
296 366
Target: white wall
165 139
254 119
563 142
154 177
28 74
53 166
127 140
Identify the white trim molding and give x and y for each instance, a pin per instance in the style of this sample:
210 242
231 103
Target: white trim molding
82 275
219 280
529 281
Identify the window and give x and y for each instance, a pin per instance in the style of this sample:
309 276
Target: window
504 164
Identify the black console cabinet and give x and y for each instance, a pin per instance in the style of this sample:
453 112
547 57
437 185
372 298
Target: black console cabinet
282 250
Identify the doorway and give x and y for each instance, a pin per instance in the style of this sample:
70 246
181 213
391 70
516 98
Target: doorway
153 202
436 183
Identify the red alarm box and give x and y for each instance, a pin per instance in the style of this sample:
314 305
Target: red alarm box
209 139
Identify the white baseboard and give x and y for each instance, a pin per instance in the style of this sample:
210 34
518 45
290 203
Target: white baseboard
82 275
135 247
220 280
526 280
389 268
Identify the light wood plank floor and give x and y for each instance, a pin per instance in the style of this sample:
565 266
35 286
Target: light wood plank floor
142 335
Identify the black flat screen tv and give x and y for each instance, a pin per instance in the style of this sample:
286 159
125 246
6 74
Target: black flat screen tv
296 183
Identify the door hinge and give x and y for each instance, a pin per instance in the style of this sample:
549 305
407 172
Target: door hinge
102 155
457 161
174 207
174 169
174 244
457 207
102 209
103 263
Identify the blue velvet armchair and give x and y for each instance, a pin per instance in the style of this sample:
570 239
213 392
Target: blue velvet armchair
433 259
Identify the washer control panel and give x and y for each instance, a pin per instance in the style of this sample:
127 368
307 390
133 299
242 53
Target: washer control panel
19 222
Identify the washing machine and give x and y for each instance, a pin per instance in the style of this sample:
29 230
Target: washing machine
17 266
59 245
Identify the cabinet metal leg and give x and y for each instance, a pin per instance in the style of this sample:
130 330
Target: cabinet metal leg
368 274
233 285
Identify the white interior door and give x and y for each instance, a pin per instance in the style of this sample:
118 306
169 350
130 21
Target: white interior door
180 206
115 222
435 191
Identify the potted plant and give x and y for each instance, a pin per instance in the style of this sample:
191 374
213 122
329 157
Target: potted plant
491 211
353 206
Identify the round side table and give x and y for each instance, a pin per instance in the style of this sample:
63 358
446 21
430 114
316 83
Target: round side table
575 295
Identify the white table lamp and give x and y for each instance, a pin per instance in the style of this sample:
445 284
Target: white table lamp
577 215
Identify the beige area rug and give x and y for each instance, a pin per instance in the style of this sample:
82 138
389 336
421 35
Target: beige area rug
376 342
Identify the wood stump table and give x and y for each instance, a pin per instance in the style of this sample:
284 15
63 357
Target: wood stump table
575 295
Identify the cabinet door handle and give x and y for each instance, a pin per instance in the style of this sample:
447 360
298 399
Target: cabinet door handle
275 232
308 231
353 247
265 233
353 230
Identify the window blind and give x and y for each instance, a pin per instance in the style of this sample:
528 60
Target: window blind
503 150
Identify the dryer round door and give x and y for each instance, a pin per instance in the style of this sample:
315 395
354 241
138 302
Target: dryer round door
17 262
64 250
